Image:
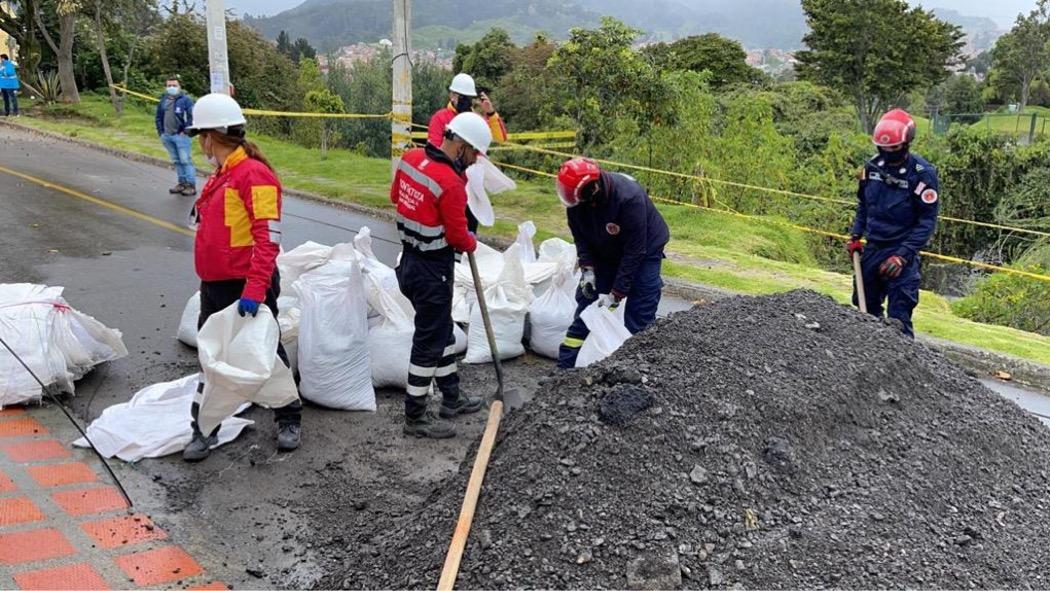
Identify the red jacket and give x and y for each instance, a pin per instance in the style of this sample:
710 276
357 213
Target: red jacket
239 231
431 199
440 120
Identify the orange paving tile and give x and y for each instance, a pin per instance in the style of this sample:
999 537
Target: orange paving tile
18 510
124 530
212 586
59 474
36 451
6 485
21 427
155 567
89 500
72 578
37 544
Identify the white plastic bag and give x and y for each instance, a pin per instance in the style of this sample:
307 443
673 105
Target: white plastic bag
154 423
390 340
508 302
238 356
608 333
334 366
187 334
551 314
526 232
484 178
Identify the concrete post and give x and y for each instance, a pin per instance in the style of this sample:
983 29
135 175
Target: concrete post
218 57
400 125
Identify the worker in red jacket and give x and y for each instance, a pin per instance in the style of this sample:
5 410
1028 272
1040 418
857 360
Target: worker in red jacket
238 219
430 193
461 96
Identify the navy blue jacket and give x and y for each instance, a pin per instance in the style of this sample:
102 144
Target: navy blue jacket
897 205
183 112
620 231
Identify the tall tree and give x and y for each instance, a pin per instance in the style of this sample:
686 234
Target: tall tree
724 58
875 51
19 22
66 11
1021 55
284 45
488 60
303 49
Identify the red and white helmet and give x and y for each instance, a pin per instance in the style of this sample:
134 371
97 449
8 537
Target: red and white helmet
895 129
574 175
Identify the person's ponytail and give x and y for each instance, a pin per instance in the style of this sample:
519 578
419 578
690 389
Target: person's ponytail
253 151
234 138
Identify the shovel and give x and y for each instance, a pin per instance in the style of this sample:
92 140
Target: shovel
510 399
858 277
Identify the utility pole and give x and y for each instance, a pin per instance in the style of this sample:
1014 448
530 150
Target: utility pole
401 122
218 58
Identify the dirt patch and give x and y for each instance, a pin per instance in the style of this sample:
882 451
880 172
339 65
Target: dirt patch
791 442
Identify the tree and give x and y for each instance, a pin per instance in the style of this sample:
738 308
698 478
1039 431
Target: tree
488 60
1020 56
284 44
303 50
875 51
325 101
724 58
962 95
525 97
19 22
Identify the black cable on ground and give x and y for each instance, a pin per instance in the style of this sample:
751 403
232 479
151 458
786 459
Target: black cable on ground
62 407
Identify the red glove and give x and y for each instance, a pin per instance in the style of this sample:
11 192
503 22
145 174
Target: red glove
892 267
854 245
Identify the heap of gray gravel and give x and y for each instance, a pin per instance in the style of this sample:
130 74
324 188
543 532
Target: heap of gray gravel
774 442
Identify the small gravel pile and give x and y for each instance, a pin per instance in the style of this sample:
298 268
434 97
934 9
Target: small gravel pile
775 442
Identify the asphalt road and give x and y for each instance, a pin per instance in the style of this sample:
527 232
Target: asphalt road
113 236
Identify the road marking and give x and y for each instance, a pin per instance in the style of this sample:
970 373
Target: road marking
100 202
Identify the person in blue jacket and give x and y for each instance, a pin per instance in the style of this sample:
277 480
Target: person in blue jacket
9 85
620 238
897 206
174 117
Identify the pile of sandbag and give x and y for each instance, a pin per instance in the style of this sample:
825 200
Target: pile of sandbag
59 344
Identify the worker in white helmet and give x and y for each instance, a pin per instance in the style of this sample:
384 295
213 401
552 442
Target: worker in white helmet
462 94
430 193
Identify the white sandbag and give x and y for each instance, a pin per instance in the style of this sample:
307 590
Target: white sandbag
299 260
526 232
154 423
608 333
389 341
334 366
238 357
490 264
187 334
556 250
370 263
463 298
58 343
508 302
551 314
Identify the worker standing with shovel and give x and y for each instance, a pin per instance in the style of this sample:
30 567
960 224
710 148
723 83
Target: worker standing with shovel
430 192
897 206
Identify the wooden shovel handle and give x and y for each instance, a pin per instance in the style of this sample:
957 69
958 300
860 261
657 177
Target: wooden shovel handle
858 277
470 500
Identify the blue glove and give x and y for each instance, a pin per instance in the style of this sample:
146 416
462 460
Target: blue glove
247 306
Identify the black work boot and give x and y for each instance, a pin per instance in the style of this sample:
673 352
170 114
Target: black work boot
199 447
288 436
464 405
177 189
189 190
429 426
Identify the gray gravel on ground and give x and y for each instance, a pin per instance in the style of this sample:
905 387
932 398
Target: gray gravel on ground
789 442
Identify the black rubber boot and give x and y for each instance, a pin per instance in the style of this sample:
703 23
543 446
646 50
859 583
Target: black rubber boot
199 447
429 426
464 405
289 435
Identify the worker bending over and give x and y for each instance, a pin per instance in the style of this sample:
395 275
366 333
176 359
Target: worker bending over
620 238
897 205
430 192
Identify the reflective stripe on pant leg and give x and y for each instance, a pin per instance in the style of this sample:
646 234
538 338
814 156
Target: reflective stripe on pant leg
644 298
427 284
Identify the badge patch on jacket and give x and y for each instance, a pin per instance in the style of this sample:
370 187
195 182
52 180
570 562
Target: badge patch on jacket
929 196
612 229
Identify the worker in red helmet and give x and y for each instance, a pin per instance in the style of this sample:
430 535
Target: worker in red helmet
620 238
897 205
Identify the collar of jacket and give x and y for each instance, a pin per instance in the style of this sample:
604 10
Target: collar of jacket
451 107
235 158
438 155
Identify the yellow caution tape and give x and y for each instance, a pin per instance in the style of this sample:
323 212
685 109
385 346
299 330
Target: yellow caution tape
263 113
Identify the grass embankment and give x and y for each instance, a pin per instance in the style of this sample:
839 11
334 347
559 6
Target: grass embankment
708 248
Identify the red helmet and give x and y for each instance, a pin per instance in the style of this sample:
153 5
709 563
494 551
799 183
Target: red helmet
574 175
894 129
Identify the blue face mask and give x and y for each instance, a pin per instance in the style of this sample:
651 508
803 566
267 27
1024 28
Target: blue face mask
173 90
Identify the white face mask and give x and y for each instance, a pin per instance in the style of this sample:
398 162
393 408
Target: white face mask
210 157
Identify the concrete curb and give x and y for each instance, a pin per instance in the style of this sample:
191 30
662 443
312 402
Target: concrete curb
986 363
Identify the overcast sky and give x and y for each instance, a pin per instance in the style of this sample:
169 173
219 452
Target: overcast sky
1002 11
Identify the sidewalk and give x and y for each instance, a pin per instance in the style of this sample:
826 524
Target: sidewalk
63 525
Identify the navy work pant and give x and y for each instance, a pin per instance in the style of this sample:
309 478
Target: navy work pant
901 294
427 283
641 304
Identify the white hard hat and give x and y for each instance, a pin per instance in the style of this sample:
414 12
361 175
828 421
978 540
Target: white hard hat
216 111
463 84
473 129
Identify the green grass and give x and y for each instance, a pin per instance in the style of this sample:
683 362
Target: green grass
711 248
